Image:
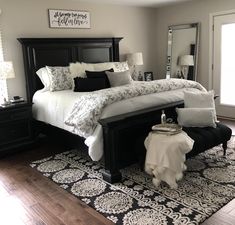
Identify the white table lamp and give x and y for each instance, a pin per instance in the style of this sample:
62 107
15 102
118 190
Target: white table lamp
185 61
6 72
135 59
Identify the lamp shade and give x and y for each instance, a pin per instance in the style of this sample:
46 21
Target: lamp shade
186 60
135 59
6 70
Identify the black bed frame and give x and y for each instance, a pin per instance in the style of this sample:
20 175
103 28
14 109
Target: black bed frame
123 134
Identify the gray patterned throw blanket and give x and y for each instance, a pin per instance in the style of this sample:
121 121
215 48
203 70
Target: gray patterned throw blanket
88 108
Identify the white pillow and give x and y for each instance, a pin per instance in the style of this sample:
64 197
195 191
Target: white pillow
199 100
45 78
119 78
60 78
196 117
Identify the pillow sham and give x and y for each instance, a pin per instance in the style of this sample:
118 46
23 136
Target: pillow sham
117 66
99 74
44 77
101 66
120 66
60 78
119 78
196 117
88 84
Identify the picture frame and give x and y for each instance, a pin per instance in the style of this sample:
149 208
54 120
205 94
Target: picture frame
75 19
148 76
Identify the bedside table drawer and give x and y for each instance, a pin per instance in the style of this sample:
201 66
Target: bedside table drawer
16 131
13 132
15 115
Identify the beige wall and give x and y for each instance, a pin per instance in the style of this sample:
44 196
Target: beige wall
143 30
197 11
29 18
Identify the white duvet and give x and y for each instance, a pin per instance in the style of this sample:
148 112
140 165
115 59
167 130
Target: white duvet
54 107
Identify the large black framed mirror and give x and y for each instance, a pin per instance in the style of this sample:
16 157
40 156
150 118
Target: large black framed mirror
182 51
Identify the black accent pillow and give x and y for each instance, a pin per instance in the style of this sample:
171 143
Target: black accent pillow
88 84
99 74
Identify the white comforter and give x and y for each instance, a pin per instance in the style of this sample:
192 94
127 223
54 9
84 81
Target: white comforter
88 108
55 107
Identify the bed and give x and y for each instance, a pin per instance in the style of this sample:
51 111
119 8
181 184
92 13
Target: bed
122 132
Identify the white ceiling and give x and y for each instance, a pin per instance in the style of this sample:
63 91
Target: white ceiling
142 3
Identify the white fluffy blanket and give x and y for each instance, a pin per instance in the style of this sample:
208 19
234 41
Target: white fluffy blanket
88 108
165 156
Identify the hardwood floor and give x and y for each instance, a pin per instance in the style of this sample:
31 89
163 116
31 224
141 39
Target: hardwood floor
27 197
229 123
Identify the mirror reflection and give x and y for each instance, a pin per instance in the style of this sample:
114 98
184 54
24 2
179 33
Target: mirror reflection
182 51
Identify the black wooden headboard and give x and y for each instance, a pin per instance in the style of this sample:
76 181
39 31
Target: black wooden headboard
39 52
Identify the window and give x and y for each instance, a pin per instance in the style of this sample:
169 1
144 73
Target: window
227 64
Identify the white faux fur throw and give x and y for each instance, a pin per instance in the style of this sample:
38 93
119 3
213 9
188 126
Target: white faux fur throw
165 156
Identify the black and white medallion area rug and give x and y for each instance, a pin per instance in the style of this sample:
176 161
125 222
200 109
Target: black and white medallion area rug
207 185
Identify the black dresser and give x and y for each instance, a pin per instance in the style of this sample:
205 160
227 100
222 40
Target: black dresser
15 127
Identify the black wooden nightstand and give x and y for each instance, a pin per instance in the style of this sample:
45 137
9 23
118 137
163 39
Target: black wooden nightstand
15 127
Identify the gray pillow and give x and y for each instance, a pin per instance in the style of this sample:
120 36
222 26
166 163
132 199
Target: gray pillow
119 78
196 117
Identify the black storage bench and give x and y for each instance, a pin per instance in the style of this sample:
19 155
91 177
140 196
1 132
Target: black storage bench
208 137
204 139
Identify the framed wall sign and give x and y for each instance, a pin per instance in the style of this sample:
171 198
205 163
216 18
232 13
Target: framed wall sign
68 19
148 76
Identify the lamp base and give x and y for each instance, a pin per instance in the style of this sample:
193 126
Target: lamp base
134 74
184 72
5 103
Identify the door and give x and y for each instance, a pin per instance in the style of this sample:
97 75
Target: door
224 64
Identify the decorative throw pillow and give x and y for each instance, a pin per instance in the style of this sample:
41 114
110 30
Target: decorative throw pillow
60 78
199 100
196 117
99 74
88 84
119 78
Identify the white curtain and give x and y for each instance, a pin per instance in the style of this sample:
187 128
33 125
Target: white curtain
1 47
3 83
